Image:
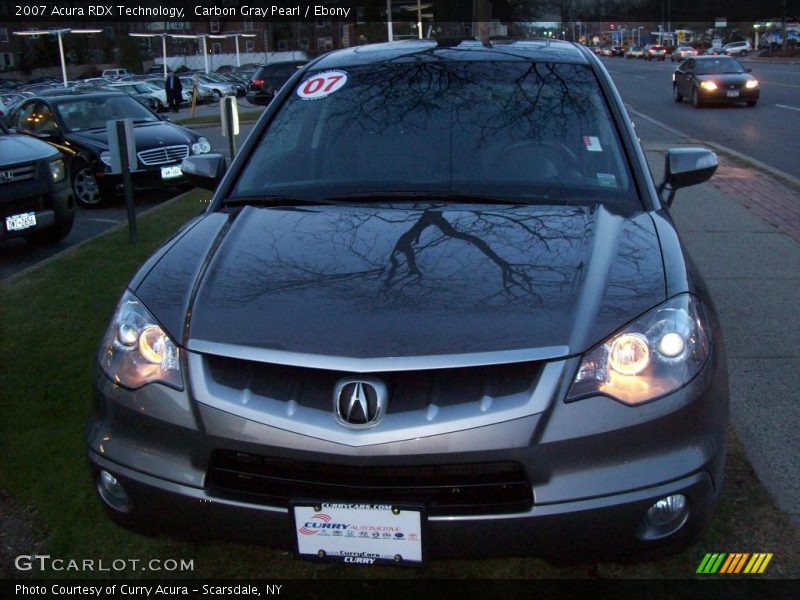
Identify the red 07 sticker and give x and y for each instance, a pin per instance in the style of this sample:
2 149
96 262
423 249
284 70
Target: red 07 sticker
321 85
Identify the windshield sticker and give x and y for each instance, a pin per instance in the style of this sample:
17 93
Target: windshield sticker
322 85
607 180
592 143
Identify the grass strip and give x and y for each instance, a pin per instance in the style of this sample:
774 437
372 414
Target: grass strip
51 321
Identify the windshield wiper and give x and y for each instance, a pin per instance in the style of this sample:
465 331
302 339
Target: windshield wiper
277 200
462 197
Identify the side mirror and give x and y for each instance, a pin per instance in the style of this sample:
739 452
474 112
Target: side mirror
748 70
204 170
686 167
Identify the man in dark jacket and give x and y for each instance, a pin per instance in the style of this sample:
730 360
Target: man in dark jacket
174 90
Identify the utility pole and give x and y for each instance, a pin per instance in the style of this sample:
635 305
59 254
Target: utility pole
783 28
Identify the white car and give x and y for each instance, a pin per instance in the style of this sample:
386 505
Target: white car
634 52
741 48
156 100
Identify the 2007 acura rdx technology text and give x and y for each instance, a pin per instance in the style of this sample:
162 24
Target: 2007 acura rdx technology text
436 307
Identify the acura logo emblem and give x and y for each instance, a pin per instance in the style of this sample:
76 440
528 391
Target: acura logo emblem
359 402
6 176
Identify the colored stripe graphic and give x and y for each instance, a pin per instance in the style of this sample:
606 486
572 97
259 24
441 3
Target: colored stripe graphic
733 563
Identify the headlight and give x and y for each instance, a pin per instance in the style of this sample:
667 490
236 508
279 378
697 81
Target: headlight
653 356
201 146
105 156
136 350
708 85
58 171
751 83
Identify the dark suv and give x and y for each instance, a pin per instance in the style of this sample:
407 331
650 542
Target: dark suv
267 80
35 197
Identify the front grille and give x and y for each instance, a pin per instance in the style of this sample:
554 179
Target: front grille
17 173
161 156
445 490
407 390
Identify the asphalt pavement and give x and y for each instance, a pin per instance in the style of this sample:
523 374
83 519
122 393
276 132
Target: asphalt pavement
768 132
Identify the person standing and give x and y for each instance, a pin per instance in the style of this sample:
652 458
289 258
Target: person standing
174 90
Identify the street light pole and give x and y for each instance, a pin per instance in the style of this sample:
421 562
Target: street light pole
389 31
61 54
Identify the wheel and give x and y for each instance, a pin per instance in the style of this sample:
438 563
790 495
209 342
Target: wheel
217 95
751 103
696 99
676 95
84 185
743 53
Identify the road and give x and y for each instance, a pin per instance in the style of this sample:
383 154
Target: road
769 132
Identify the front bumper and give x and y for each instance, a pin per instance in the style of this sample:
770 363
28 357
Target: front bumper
143 179
720 95
50 204
595 467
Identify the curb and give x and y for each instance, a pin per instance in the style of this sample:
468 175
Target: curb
782 175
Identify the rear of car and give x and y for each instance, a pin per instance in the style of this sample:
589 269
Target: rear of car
425 321
268 79
742 48
655 52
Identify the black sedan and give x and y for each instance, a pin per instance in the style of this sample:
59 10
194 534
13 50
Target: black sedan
268 80
436 296
75 124
714 80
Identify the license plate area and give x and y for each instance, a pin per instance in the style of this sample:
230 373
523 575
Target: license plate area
21 221
733 93
171 172
359 533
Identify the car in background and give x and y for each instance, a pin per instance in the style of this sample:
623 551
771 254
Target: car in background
714 80
239 85
159 87
655 52
145 94
634 52
421 305
9 101
713 51
617 51
75 124
682 52
36 199
741 48
115 74
204 93
268 79
218 86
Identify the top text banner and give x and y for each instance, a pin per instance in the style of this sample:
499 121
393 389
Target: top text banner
66 13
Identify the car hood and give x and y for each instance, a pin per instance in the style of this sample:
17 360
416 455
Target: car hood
16 148
724 78
368 282
147 135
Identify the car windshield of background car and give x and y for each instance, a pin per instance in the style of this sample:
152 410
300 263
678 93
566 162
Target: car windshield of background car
93 113
719 65
505 129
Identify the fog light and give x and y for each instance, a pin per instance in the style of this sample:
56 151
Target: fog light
112 492
667 512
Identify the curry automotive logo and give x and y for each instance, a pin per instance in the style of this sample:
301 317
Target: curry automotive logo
359 402
6 176
734 563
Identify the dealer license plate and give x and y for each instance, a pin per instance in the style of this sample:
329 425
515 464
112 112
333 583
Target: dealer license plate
171 172
20 222
733 93
365 534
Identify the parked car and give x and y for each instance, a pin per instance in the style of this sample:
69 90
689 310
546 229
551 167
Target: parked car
204 93
153 99
420 303
741 48
683 52
76 125
114 74
634 52
35 196
269 79
218 86
714 80
655 52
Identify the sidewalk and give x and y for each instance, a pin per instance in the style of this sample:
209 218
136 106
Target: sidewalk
752 268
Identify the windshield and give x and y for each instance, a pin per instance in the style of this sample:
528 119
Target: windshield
508 129
719 65
80 114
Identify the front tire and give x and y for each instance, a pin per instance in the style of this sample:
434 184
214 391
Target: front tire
696 102
85 187
751 103
676 95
